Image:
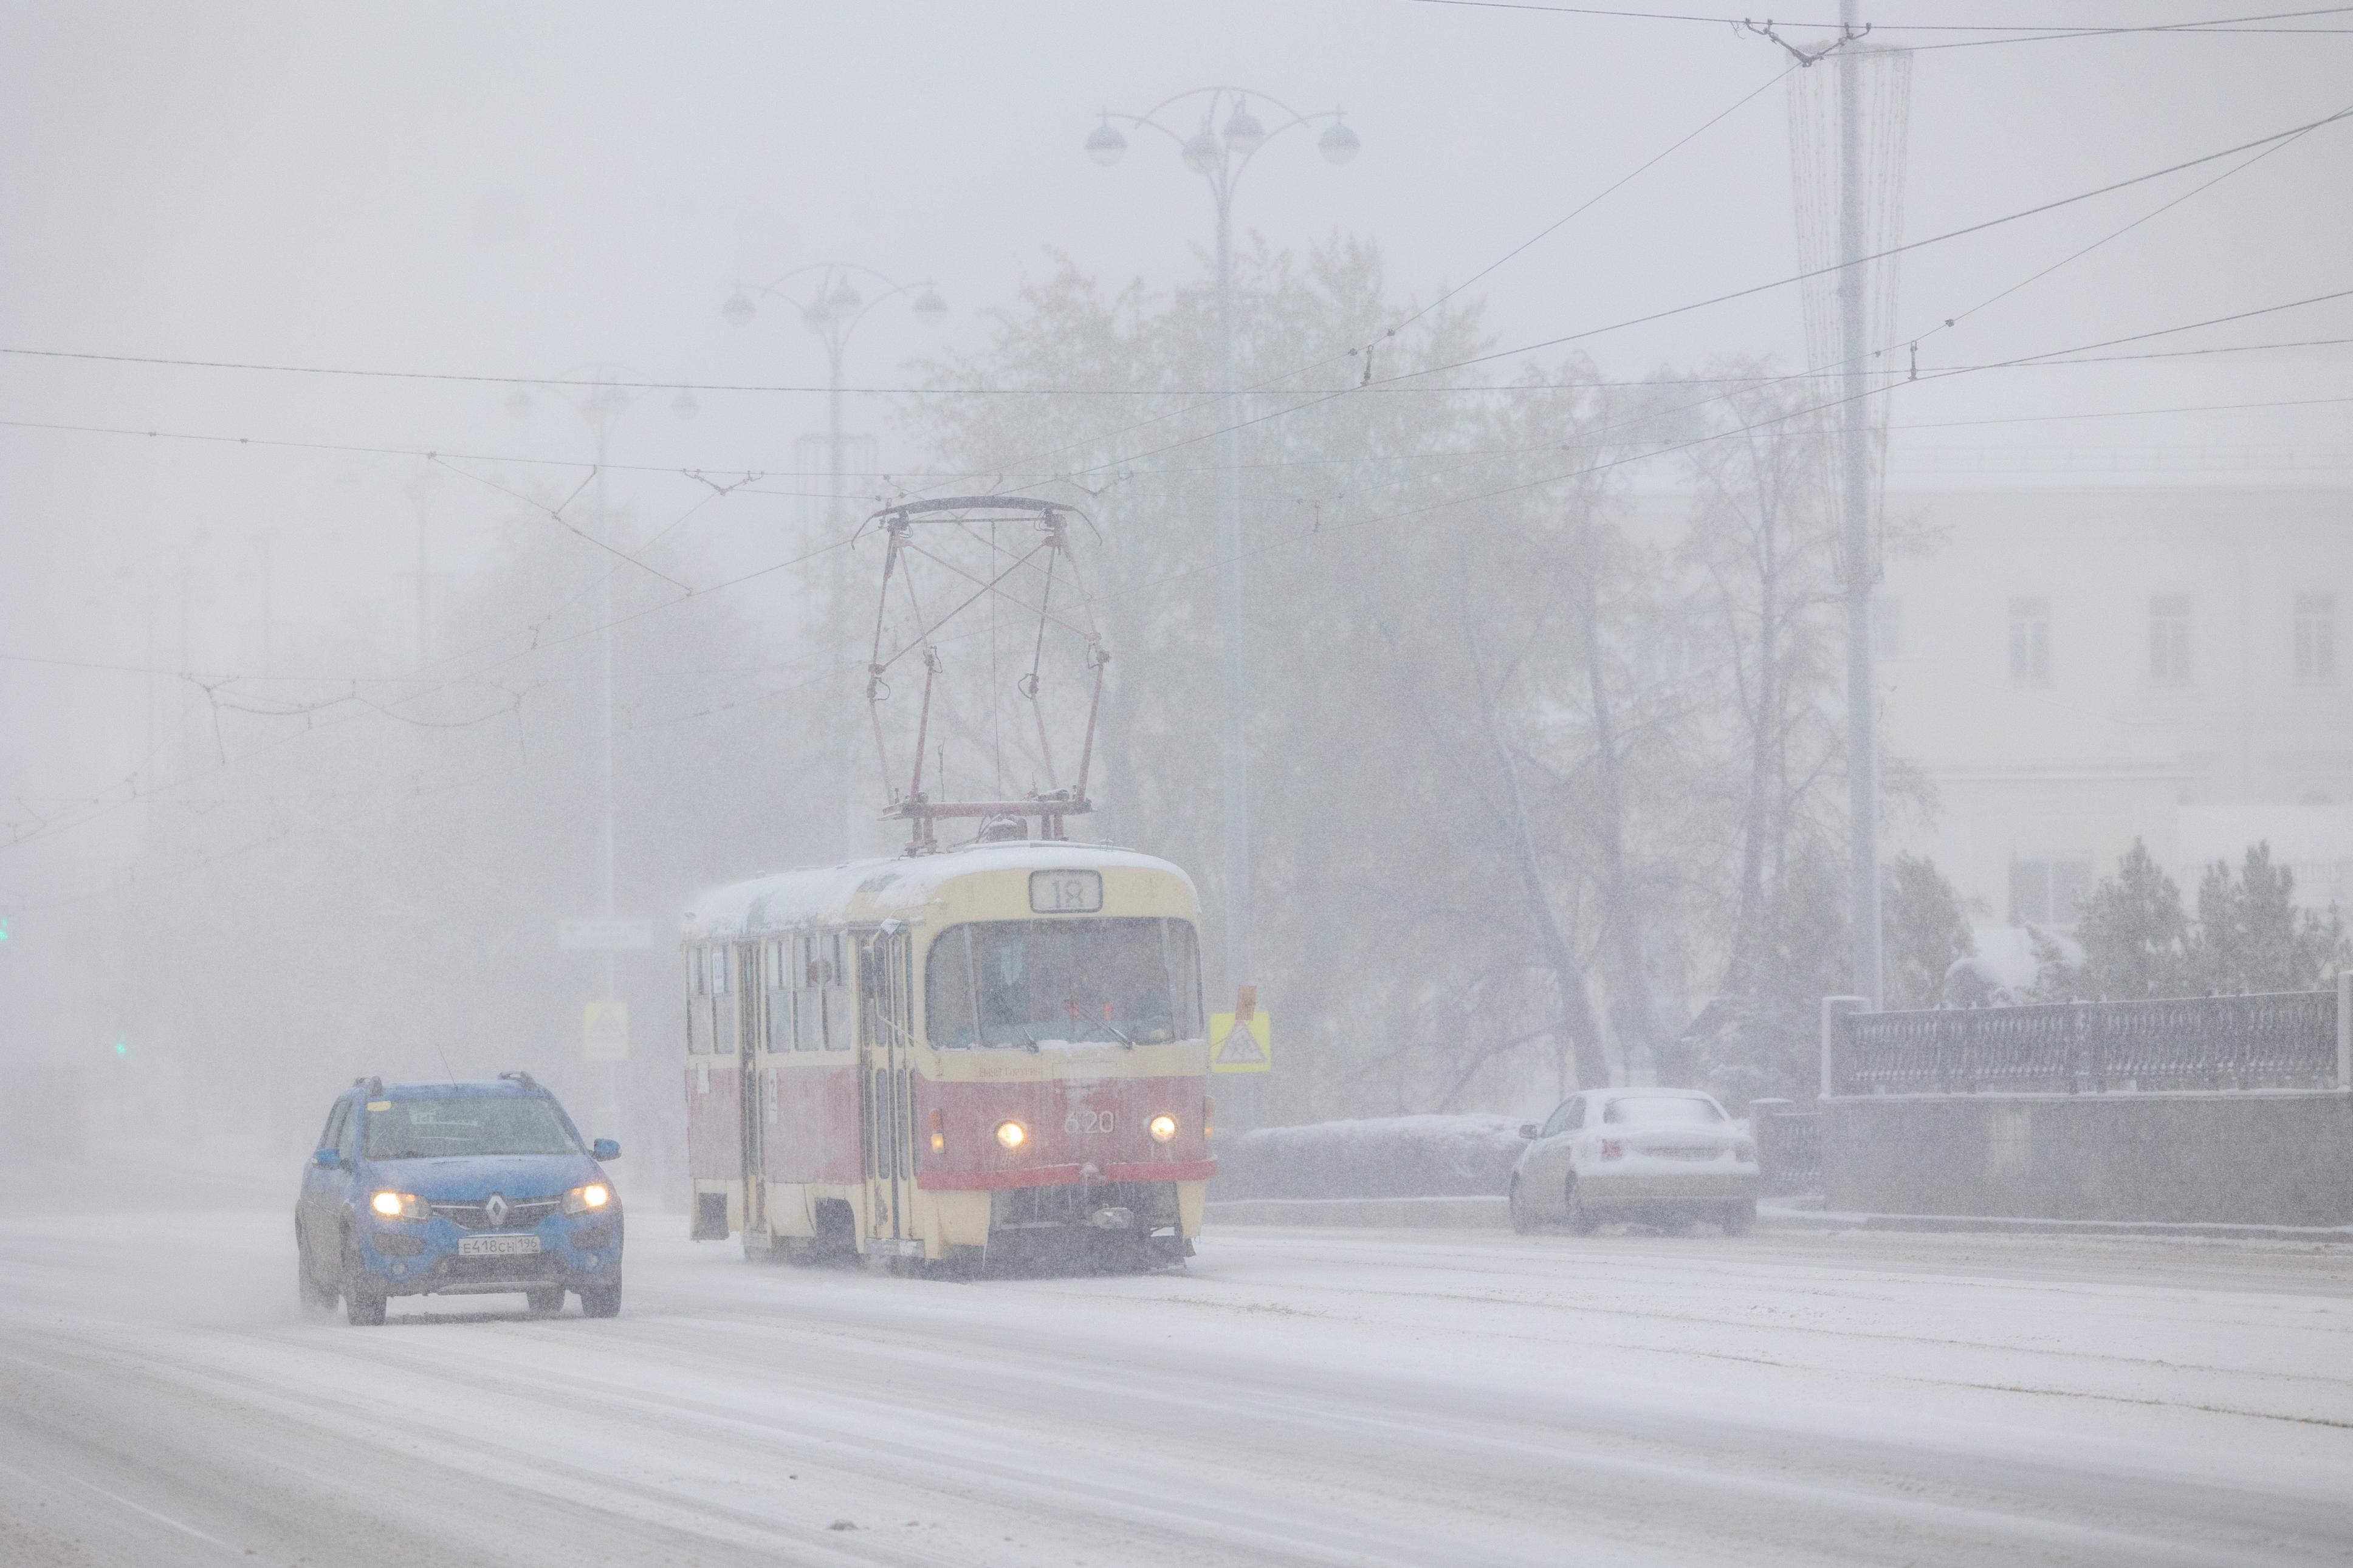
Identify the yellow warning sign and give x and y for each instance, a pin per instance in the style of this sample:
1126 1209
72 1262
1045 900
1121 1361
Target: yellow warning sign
605 1032
1244 1047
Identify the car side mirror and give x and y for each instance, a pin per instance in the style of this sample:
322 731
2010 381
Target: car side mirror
327 1160
1528 1129
604 1148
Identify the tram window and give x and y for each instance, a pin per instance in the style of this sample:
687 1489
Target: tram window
779 998
1124 979
837 1037
949 1012
809 1010
697 977
719 971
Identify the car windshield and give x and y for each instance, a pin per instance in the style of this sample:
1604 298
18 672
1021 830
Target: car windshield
1022 982
1663 1110
468 1124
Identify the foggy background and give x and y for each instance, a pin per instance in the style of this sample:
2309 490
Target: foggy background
263 837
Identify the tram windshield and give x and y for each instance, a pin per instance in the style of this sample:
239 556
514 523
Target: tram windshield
1022 984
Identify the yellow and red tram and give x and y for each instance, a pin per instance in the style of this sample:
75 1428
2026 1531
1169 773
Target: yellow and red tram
993 1049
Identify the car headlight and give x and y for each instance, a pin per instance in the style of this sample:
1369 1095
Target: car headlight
1012 1134
397 1205
1163 1128
587 1199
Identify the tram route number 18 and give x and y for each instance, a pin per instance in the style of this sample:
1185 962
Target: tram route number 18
1065 892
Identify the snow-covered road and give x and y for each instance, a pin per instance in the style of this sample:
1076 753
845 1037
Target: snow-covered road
1325 1397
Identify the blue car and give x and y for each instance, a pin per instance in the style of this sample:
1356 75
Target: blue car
457 1189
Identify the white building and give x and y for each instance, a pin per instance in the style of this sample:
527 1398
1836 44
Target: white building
2077 660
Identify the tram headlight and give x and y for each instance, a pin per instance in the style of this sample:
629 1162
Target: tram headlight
1163 1128
397 1205
584 1200
1012 1134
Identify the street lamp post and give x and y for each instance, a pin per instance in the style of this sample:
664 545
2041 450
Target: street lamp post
827 298
1229 137
610 392
421 488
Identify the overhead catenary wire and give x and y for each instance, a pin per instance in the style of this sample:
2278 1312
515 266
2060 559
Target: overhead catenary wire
1404 513
2223 26
2048 359
1561 340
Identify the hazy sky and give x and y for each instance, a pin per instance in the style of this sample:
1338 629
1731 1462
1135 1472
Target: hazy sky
527 189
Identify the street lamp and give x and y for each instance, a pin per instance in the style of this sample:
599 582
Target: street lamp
832 307
826 297
421 486
1220 152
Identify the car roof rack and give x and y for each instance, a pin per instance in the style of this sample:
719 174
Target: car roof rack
375 1086
518 1078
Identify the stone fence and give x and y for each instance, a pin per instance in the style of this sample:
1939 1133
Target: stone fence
2231 1110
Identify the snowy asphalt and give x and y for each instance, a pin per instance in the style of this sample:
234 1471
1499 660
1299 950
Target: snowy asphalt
1299 1397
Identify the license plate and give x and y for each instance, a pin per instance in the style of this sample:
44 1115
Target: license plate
496 1246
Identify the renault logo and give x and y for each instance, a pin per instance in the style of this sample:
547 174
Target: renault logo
495 1211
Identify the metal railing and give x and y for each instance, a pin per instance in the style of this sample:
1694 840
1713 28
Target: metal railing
2283 1040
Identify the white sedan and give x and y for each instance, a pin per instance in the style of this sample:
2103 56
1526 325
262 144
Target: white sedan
1658 1156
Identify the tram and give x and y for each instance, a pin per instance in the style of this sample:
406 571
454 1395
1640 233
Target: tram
988 1049
967 1049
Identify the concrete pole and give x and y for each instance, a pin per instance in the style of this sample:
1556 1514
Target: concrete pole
423 514
1833 1009
1862 682
2345 1028
609 1107
836 438
1236 750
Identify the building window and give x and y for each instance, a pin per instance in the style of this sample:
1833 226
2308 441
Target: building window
2048 892
2030 641
2315 639
2169 639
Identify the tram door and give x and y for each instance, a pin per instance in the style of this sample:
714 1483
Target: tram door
886 1020
752 997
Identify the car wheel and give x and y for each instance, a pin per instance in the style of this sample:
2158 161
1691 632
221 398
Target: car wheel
1740 1218
601 1301
1523 1222
362 1305
1581 1220
315 1297
547 1301
362 1298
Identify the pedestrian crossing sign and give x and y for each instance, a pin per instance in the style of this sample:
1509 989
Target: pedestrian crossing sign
1246 1045
605 1032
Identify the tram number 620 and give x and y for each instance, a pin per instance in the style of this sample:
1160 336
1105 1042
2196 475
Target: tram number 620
1065 892
1090 1122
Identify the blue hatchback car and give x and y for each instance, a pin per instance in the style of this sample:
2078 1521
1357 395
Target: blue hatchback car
457 1188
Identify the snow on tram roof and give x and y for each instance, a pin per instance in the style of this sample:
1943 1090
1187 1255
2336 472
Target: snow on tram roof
788 898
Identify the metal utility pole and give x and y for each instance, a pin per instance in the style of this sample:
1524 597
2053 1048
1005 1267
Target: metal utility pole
1219 154
1861 569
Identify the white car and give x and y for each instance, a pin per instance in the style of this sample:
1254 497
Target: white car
1658 1156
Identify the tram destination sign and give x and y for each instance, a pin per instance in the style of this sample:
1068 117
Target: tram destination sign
1065 892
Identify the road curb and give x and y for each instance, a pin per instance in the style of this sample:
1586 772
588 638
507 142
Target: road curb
1447 1214
1494 1214
1781 1218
